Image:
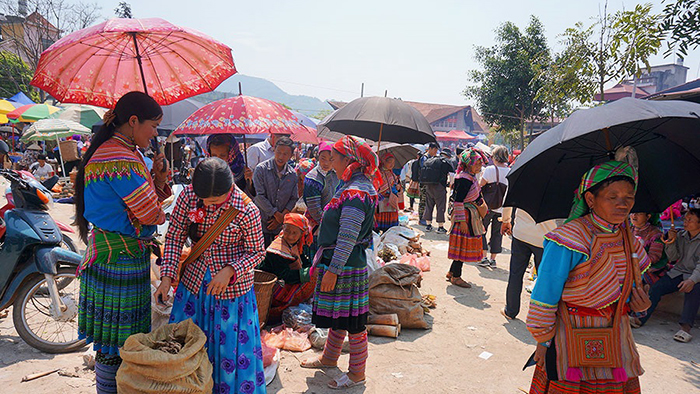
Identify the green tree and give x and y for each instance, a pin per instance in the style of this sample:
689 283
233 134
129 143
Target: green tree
320 115
614 46
15 76
123 10
681 21
506 86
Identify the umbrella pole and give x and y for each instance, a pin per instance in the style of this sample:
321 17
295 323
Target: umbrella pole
138 59
63 167
172 162
245 151
379 143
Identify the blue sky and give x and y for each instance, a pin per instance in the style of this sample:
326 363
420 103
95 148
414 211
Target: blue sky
417 50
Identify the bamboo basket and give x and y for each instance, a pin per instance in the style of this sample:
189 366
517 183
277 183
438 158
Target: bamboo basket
264 283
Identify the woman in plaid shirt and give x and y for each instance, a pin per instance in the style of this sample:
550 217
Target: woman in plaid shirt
216 290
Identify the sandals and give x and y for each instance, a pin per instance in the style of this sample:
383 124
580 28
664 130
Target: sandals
344 382
460 282
448 277
682 336
315 364
635 322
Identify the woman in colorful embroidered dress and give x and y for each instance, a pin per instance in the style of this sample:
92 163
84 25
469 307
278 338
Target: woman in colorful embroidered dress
216 290
320 185
302 169
341 302
465 244
387 215
115 192
647 228
288 258
225 147
584 265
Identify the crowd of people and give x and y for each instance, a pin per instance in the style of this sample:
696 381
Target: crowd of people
308 214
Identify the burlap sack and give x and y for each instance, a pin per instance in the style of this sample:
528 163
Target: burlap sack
147 370
394 289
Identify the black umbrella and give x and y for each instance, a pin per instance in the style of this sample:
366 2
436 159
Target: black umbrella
402 153
379 119
664 134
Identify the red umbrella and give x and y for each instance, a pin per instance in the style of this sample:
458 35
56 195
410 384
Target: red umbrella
101 63
241 115
307 136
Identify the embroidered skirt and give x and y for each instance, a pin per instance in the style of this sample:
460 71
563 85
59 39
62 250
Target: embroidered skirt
385 220
115 302
464 247
290 295
347 305
542 385
233 334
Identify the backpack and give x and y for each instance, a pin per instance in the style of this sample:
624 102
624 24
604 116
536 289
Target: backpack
495 192
430 171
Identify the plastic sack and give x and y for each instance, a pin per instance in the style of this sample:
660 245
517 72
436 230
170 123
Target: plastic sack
275 337
160 314
298 317
399 235
371 252
285 338
145 369
268 353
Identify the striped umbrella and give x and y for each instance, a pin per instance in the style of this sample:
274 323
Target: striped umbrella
54 129
86 115
32 112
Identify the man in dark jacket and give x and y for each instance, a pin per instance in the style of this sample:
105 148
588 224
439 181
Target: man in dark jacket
434 175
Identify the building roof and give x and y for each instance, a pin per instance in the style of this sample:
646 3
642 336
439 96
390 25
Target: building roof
435 112
687 91
621 90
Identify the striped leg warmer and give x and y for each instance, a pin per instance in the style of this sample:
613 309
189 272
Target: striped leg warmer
358 353
334 344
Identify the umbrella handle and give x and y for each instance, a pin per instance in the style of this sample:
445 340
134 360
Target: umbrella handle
379 143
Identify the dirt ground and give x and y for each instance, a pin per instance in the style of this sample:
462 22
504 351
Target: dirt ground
444 359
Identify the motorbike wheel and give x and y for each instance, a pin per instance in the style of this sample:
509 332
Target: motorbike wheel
33 320
67 243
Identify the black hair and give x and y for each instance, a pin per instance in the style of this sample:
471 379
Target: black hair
285 141
138 104
212 178
41 157
433 145
694 211
602 185
219 140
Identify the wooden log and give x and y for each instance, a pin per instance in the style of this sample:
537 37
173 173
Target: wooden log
380 330
38 375
386 320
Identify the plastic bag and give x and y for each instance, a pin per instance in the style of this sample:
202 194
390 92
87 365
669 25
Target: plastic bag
298 317
275 337
297 341
423 263
160 314
268 353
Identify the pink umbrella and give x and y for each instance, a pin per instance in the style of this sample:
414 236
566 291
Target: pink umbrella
454 135
241 115
307 136
99 64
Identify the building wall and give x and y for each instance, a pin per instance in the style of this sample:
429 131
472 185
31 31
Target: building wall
457 121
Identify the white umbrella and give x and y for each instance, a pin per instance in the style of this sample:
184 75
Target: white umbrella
49 129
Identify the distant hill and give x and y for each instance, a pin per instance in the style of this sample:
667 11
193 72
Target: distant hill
263 88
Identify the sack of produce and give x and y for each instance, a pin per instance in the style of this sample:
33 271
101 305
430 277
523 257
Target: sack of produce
394 289
170 359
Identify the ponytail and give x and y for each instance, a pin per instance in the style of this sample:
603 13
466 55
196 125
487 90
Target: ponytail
138 104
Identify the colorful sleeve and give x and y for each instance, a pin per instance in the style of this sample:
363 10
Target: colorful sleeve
351 217
140 198
461 189
176 236
253 244
312 198
557 262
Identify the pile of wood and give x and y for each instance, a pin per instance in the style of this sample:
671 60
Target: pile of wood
384 325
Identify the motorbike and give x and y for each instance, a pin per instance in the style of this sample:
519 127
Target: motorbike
65 229
38 276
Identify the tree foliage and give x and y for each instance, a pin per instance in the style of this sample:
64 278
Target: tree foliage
30 37
681 21
614 46
506 86
15 76
123 10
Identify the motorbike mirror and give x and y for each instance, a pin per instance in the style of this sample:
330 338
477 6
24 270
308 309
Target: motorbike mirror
42 196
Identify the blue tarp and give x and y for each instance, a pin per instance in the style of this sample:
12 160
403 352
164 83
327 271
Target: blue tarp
21 98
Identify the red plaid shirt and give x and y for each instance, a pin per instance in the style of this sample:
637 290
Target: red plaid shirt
240 245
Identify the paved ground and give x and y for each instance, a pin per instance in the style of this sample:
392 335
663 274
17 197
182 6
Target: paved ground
444 359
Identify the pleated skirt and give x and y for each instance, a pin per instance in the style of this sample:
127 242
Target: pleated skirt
115 302
542 385
347 305
385 220
464 247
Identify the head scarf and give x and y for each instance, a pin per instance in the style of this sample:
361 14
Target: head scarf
386 156
469 157
304 167
302 223
324 146
235 157
596 175
361 158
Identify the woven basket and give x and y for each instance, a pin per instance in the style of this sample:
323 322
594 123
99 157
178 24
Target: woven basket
264 284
